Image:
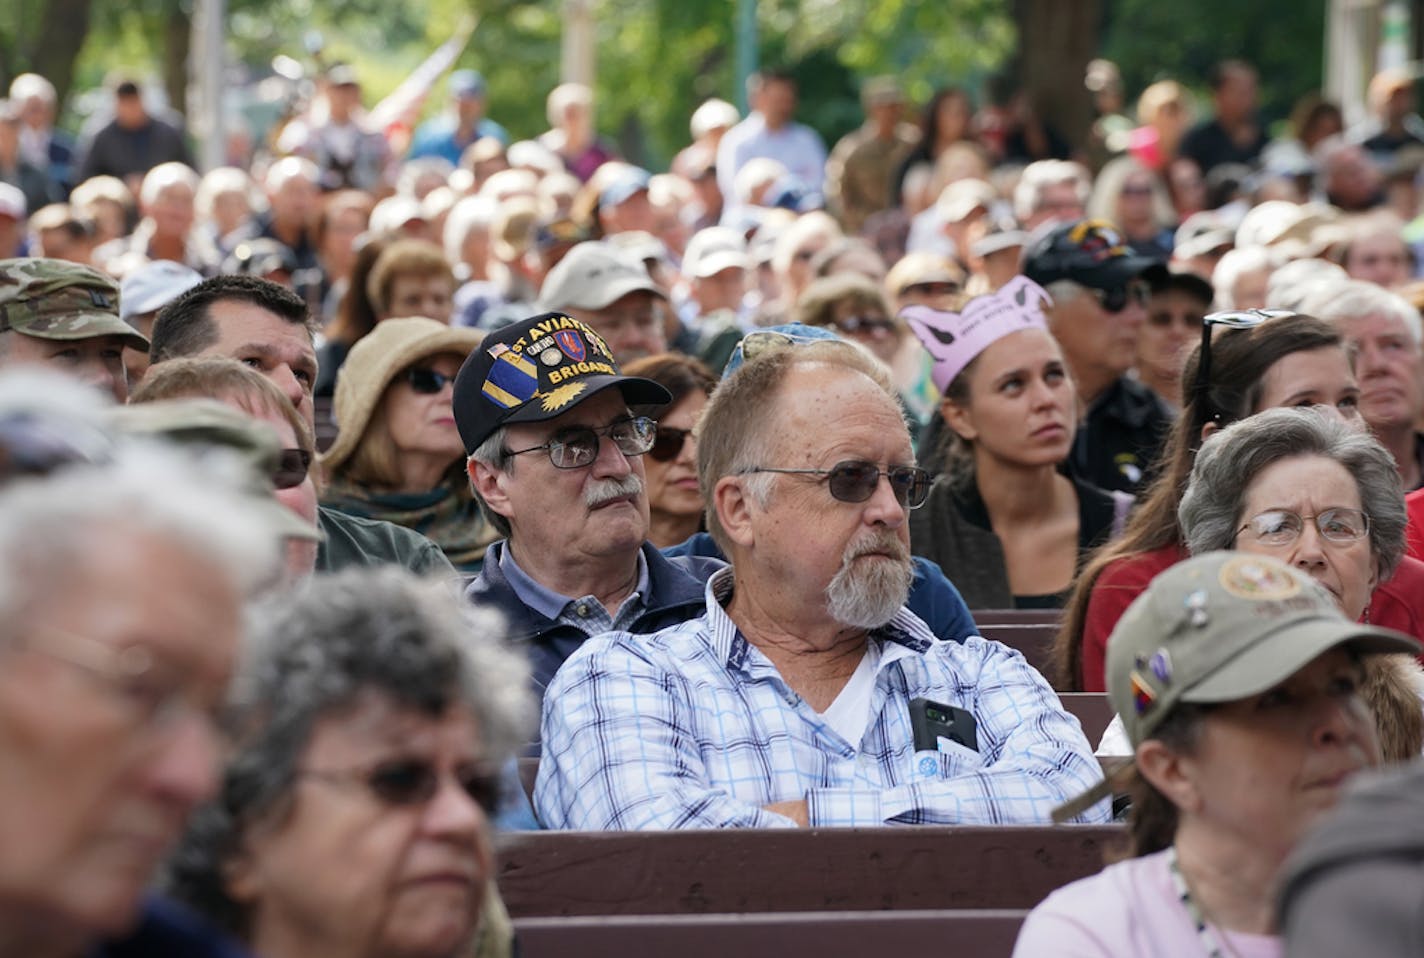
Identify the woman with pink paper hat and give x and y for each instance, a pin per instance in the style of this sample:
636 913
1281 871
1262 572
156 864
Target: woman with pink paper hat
1003 523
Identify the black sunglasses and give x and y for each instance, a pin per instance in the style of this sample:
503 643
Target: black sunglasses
1231 319
426 381
855 480
405 782
292 466
668 443
1115 300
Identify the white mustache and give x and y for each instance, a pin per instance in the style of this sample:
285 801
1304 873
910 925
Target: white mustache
885 543
597 492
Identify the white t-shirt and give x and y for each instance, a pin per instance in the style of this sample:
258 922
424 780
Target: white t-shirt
1127 910
849 714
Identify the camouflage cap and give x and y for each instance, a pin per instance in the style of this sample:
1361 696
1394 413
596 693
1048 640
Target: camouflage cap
57 299
207 422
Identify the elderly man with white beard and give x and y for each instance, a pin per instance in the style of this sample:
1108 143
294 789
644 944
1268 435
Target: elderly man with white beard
806 693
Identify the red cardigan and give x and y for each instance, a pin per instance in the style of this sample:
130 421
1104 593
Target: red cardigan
1397 603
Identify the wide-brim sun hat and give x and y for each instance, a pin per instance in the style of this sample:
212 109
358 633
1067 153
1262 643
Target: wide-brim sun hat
373 364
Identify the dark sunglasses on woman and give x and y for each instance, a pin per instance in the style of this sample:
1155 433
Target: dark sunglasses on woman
427 382
668 443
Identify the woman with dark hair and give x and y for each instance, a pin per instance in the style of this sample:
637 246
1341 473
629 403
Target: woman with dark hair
355 316
670 467
946 121
1238 680
1003 523
1260 359
353 817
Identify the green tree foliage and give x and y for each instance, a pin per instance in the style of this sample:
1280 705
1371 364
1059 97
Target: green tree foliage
1284 39
658 59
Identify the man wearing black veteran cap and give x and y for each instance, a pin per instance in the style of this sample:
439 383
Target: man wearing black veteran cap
555 457
1099 293
1237 679
66 316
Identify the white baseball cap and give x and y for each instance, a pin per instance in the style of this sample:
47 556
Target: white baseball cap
714 249
153 286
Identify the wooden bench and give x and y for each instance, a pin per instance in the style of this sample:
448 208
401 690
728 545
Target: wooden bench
852 934
1034 640
775 870
993 617
1092 711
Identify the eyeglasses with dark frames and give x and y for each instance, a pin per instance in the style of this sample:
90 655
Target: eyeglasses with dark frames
577 446
404 782
669 443
1231 319
855 480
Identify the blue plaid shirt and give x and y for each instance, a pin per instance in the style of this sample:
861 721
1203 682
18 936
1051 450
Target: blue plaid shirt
692 727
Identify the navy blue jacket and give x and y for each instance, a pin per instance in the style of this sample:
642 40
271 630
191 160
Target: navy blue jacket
167 930
675 594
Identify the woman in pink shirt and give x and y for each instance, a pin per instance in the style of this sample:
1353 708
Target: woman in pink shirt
1237 679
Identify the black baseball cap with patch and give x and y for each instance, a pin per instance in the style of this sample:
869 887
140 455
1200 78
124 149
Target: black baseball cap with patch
1089 252
535 370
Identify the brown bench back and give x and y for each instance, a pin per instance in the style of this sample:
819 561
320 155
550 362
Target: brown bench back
1033 639
1092 711
981 933
775 870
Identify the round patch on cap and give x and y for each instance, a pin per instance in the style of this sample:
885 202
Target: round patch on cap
1247 578
551 357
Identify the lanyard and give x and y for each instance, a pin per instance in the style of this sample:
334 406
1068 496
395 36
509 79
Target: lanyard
1209 940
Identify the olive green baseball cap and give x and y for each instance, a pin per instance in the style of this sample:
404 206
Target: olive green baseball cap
57 299
207 422
1221 627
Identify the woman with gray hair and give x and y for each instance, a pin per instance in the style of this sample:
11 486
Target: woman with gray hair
1317 493
354 814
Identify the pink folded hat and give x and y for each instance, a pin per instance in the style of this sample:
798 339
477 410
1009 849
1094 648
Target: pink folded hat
954 339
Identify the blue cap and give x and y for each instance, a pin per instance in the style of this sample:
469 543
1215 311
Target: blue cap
465 83
624 186
790 193
775 337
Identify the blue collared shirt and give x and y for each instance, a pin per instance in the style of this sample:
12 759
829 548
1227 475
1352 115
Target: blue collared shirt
585 613
693 727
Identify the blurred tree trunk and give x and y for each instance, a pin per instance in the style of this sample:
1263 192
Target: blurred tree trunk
53 49
1057 38
177 40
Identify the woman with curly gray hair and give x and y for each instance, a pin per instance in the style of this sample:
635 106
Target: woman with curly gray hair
1319 494
354 814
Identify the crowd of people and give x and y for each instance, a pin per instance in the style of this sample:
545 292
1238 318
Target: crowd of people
334 482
